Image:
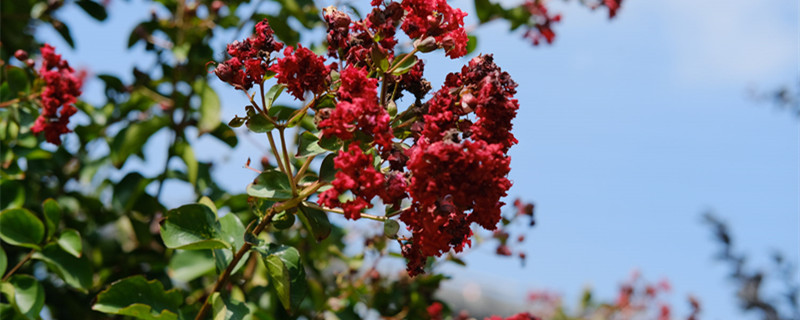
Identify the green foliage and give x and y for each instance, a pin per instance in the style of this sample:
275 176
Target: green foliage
76 272
26 294
286 274
21 227
271 185
141 299
192 227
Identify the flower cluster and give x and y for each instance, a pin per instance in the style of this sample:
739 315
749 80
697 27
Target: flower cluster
454 172
302 70
454 160
437 19
249 58
62 88
542 22
358 110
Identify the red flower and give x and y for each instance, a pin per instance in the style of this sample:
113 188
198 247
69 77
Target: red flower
358 110
62 88
613 6
301 70
518 316
542 22
252 54
437 19
357 175
435 311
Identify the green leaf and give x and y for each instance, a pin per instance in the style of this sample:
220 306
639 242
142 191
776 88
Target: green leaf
52 216
8 312
184 150
286 274
13 194
330 143
208 203
70 241
283 220
18 82
192 227
485 10
63 30
236 122
22 228
76 272
472 44
94 9
258 123
136 297
226 135
309 145
3 261
390 228
187 265
327 171
273 93
271 185
209 107
316 221
27 295
400 66
225 308
131 139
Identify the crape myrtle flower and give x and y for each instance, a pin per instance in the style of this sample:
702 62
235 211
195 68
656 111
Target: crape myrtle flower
458 170
542 20
338 29
357 175
302 70
518 316
249 58
358 110
62 88
437 19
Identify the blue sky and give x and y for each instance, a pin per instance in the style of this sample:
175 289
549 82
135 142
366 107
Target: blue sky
629 130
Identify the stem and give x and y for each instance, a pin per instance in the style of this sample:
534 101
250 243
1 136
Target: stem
289 173
19 265
274 149
302 111
338 211
302 169
17 100
406 57
223 278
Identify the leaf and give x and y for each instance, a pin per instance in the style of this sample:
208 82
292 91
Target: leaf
402 65
208 203
52 216
18 82
316 221
76 272
63 30
209 107
184 150
13 194
236 122
187 265
309 145
327 171
3 261
27 295
70 241
485 10
390 228
22 228
131 139
7 312
472 43
226 135
258 123
271 185
286 274
192 227
225 308
94 9
139 298
273 93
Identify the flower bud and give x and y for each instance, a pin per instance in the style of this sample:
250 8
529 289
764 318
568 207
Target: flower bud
216 6
426 45
391 108
224 72
21 55
30 63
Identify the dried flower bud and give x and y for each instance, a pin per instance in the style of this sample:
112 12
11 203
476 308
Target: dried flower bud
21 55
426 45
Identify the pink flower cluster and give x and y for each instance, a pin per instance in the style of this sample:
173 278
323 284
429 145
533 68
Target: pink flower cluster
62 88
437 19
458 168
249 58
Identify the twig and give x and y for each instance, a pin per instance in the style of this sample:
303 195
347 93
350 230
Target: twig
19 265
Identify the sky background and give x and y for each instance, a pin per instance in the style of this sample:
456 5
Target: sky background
629 130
